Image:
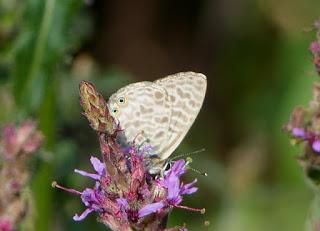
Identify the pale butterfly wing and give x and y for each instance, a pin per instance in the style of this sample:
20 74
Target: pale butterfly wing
144 111
186 93
161 111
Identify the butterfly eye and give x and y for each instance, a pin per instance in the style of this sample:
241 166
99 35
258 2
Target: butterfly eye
115 111
122 100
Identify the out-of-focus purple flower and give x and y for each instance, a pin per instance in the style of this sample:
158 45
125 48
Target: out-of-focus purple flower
310 137
298 132
183 229
316 145
315 47
315 50
17 143
5 225
21 140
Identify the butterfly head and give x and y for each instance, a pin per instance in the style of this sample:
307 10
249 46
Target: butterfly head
119 104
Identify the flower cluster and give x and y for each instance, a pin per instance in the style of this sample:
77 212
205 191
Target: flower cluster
304 128
304 125
16 146
125 196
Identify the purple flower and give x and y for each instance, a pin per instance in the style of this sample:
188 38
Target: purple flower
178 168
150 208
122 202
316 145
188 188
175 189
312 138
315 47
298 132
123 207
98 166
92 200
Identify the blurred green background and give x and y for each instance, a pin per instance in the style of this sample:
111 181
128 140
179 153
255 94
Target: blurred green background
254 54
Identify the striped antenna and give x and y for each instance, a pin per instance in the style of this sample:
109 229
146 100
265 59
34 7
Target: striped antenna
197 171
188 154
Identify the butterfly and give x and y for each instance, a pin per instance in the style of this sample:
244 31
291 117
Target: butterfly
159 114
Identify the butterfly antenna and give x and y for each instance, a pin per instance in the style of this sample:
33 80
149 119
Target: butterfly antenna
188 154
139 134
197 171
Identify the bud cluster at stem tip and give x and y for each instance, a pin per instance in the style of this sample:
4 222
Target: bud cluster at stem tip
95 109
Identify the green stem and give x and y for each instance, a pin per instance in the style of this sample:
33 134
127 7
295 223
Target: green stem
43 194
41 41
313 217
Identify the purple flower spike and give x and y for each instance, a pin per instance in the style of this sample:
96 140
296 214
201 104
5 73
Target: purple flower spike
316 145
125 195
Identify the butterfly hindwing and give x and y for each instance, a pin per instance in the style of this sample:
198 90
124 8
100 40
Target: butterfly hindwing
186 92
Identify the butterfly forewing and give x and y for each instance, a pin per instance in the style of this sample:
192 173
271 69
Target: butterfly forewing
145 113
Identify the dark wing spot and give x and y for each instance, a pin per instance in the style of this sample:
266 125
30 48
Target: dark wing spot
162 119
159 134
158 95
